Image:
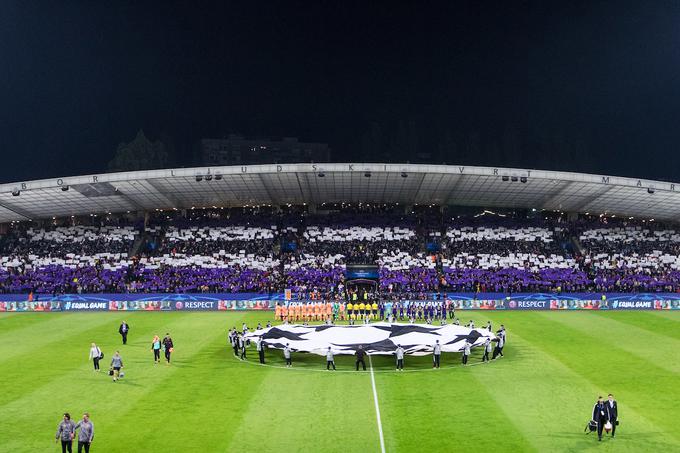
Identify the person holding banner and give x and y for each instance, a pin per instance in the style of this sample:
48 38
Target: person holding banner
330 362
400 358
286 355
259 345
499 346
487 350
466 352
436 354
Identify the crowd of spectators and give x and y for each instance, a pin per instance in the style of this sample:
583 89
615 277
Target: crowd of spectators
308 254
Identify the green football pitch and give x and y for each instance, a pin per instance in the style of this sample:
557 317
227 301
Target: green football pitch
537 398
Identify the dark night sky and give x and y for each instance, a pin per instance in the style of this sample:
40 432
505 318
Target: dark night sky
586 86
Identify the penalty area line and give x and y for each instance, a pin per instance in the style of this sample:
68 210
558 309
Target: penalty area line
377 407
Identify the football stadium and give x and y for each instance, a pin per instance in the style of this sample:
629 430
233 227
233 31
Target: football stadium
268 280
339 226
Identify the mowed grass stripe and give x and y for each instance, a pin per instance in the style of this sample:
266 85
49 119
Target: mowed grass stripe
669 315
296 411
646 320
37 361
641 387
650 344
76 388
11 321
50 332
205 395
445 410
537 391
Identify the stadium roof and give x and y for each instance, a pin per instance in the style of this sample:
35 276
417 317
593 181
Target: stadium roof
335 183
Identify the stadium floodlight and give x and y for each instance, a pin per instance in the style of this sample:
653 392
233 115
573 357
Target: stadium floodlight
199 178
523 179
505 178
208 177
64 188
367 174
16 192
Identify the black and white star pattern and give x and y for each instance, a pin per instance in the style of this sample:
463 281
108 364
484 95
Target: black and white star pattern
376 339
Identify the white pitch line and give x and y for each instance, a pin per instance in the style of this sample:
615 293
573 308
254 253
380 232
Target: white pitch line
377 408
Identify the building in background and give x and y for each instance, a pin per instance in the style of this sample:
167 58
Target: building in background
237 150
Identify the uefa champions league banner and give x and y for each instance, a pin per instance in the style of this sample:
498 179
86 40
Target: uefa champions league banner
255 301
377 338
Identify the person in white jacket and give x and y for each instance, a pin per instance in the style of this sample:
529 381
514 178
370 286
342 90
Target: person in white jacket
95 355
330 362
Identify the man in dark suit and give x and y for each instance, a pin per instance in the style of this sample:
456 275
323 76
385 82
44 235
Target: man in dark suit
613 412
360 358
123 331
600 415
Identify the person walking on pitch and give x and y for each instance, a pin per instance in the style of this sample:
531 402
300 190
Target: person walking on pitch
169 347
65 433
286 355
360 353
116 364
400 358
156 348
123 331
95 355
613 413
600 415
436 354
330 362
86 433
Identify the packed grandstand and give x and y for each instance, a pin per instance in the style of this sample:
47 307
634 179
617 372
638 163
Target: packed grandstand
418 251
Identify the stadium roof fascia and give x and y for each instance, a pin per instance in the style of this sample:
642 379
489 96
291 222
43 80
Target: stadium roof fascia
278 184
